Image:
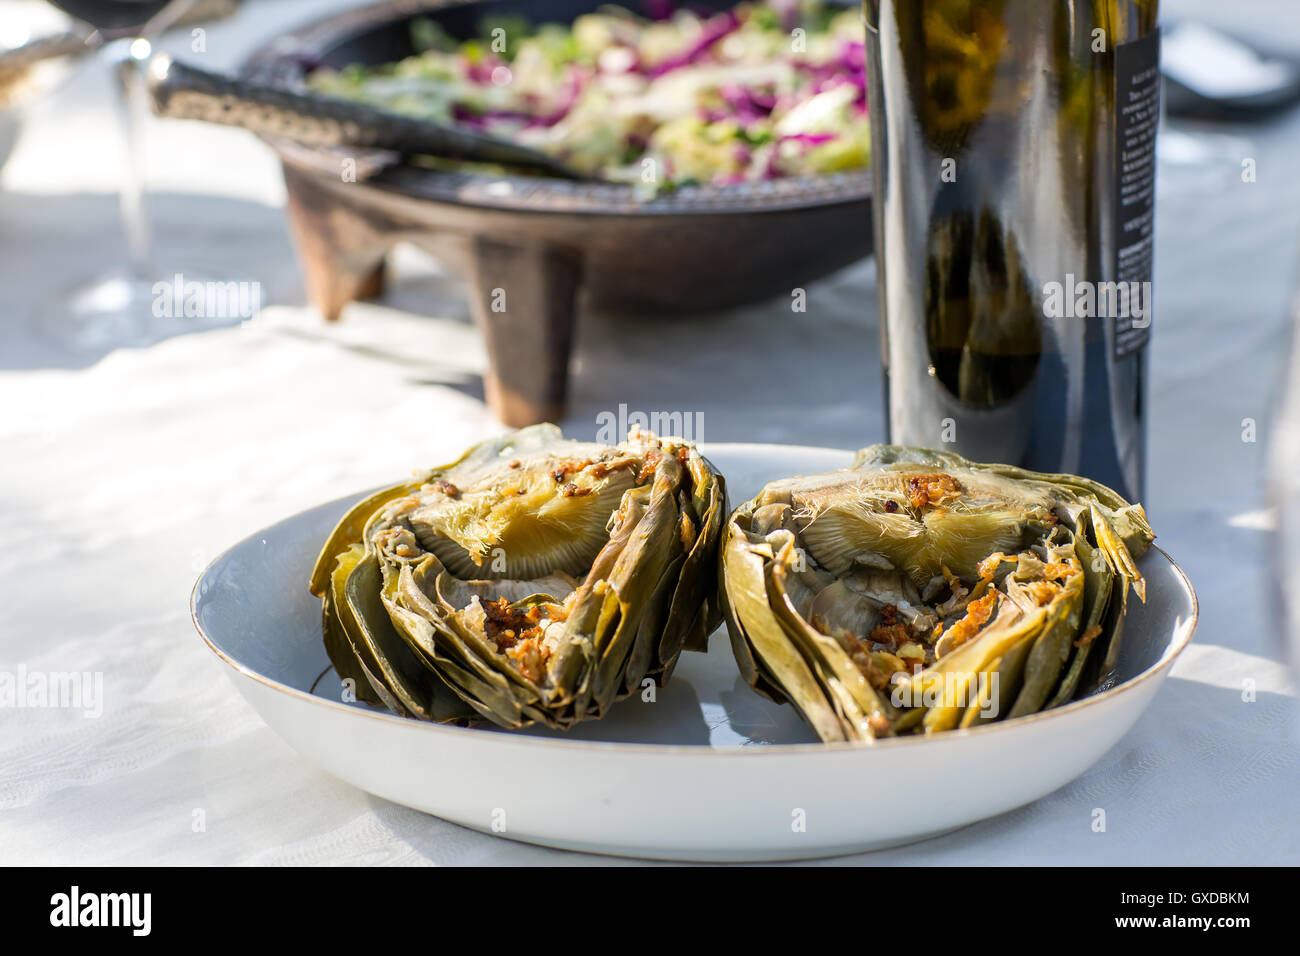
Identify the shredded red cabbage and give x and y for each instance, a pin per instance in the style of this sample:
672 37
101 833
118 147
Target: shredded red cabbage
714 30
571 96
853 57
748 104
481 72
810 139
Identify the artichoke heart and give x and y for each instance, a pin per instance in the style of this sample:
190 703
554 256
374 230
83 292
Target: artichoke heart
534 580
916 591
528 521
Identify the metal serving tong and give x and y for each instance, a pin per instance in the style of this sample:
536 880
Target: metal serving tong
179 91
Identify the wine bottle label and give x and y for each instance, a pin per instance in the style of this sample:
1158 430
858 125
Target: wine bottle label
1137 106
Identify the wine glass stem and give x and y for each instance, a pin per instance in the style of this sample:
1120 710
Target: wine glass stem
134 106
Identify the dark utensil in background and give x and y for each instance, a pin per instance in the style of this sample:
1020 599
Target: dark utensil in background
179 91
1211 75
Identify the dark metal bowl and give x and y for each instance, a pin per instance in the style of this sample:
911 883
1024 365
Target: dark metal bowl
534 247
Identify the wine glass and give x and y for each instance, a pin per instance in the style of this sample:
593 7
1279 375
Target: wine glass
120 308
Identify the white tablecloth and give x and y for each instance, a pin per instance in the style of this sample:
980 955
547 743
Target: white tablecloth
122 475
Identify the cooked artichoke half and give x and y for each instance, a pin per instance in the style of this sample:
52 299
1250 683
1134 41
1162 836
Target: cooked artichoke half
916 591
535 580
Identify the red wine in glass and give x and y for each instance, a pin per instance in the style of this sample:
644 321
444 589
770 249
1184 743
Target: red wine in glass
116 17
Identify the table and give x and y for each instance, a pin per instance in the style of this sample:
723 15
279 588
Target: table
122 475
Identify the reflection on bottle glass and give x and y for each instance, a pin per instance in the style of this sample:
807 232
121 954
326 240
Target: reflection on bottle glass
1013 155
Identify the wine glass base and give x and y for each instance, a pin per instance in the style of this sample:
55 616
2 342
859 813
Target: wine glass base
124 311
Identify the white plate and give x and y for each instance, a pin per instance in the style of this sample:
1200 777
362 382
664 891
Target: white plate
708 771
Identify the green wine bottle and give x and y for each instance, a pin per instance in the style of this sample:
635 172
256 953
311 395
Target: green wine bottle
1013 146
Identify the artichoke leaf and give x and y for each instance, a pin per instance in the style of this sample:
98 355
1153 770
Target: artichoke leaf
653 630
349 530
463 638
431 635
468 638
1113 547
1101 665
698 583
752 672
1009 626
458 653
594 604
503 694
449 703
910 719
348 663
1098 583
947 715
356 583
1051 649
1005 681
610 644
857 701
790 673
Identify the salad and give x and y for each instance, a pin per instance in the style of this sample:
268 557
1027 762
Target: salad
761 91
